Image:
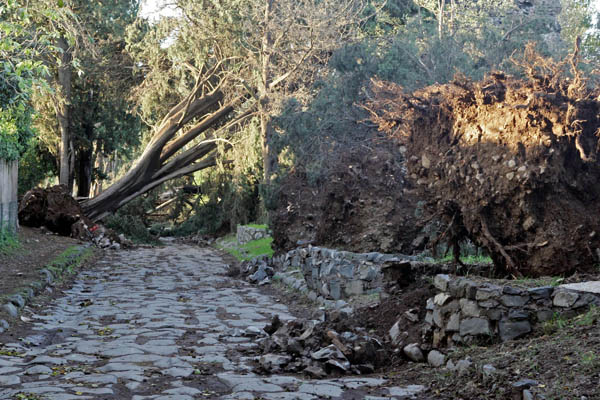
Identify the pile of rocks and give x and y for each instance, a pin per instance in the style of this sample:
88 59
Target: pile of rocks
467 310
99 235
246 233
313 348
259 270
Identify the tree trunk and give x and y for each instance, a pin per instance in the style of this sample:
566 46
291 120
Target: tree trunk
161 160
64 116
441 4
84 172
99 162
264 94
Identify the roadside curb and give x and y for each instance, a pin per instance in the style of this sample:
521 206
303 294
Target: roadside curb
53 272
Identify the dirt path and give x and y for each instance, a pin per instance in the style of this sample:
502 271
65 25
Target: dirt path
160 324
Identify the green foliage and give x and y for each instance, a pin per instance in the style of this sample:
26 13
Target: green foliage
69 260
581 18
313 132
19 72
35 165
256 248
228 198
15 130
131 220
467 260
558 322
132 226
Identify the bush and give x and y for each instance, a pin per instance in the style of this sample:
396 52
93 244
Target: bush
131 221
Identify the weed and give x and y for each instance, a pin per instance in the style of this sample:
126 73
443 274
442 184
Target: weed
106 331
9 241
537 282
589 318
589 358
260 247
71 257
28 396
467 260
553 325
10 353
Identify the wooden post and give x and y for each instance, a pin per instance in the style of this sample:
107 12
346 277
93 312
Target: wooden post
8 194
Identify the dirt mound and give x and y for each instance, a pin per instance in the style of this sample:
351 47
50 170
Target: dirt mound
363 204
511 164
53 208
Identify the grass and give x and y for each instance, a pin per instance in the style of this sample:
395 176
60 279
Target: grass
247 251
9 242
260 247
71 253
538 282
257 226
562 357
468 260
559 322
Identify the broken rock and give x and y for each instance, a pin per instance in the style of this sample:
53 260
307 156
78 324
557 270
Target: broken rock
435 358
413 352
274 362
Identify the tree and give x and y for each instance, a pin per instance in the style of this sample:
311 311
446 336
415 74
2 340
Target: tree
253 68
272 49
91 81
580 18
20 71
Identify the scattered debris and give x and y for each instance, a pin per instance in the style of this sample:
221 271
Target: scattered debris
315 349
56 210
258 270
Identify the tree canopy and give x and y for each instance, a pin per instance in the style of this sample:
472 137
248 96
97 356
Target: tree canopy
86 87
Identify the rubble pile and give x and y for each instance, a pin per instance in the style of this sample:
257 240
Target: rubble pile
259 270
318 350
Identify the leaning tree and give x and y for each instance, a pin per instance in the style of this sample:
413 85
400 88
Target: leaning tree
170 153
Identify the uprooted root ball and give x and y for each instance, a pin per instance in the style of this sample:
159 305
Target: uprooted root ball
511 164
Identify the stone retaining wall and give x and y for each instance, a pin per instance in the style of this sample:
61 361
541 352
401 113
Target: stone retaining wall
466 310
247 234
338 275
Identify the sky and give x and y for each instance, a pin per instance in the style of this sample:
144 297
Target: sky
154 9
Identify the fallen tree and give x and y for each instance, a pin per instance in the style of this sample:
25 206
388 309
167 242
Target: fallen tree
162 159
510 164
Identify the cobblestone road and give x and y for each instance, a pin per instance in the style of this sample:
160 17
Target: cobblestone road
160 323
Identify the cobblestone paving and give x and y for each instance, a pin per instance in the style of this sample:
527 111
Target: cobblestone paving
160 324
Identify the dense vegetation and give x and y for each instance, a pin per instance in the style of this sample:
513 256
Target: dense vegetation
84 86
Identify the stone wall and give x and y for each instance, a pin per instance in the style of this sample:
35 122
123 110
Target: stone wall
338 275
469 310
247 233
8 194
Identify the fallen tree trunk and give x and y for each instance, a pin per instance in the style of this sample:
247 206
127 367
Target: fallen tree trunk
510 164
162 159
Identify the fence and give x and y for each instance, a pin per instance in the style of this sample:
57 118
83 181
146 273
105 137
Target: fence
8 195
